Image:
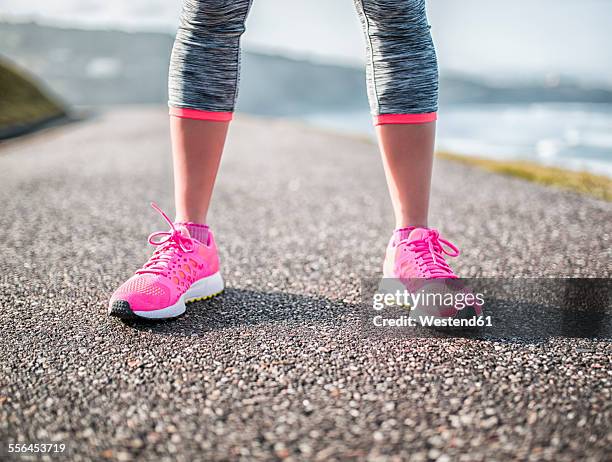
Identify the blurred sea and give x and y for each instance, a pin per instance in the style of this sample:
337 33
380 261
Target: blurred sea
514 84
576 136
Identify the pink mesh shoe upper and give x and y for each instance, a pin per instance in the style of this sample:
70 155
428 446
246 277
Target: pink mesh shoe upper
417 259
177 262
421 255
144 292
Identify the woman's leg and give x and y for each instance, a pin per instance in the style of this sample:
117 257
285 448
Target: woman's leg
203 85
402 77
402 74
407 152
197 146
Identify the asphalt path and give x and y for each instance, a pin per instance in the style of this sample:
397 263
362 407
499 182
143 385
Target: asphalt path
279 366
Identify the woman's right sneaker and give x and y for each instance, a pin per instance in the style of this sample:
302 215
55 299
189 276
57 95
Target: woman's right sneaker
184 268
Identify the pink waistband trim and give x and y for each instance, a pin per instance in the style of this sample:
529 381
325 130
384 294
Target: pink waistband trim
405 118
197 114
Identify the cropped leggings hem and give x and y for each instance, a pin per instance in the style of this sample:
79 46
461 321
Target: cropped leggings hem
382 119
199 114
424 118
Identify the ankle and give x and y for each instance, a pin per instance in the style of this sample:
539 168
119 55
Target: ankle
410 224
401 234
198 231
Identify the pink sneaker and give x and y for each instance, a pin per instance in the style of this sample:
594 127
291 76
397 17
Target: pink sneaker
418 253
415 257
184 268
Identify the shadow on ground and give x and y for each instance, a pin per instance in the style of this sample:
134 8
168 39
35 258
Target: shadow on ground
241 307
511 320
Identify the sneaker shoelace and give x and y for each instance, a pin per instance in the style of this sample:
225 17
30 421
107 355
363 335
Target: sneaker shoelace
167 243
430 251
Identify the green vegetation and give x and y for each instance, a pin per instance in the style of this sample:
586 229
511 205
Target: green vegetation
22 103
582 182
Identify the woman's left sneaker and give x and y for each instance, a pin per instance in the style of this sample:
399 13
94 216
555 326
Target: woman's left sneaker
184 268
415 262
418 253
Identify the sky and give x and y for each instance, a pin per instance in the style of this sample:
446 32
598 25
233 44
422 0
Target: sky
519 39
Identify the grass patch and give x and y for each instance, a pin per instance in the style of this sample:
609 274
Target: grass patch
583 182
22 102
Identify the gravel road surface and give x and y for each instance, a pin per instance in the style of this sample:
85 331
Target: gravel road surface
278 366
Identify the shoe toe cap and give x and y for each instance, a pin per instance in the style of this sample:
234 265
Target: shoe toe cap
121 309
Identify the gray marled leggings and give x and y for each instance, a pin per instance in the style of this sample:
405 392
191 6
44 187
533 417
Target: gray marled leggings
402 71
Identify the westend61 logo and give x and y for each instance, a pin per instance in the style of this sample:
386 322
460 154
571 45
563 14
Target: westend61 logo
430 304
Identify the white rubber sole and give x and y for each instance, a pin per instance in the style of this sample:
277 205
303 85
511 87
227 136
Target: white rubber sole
202 289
